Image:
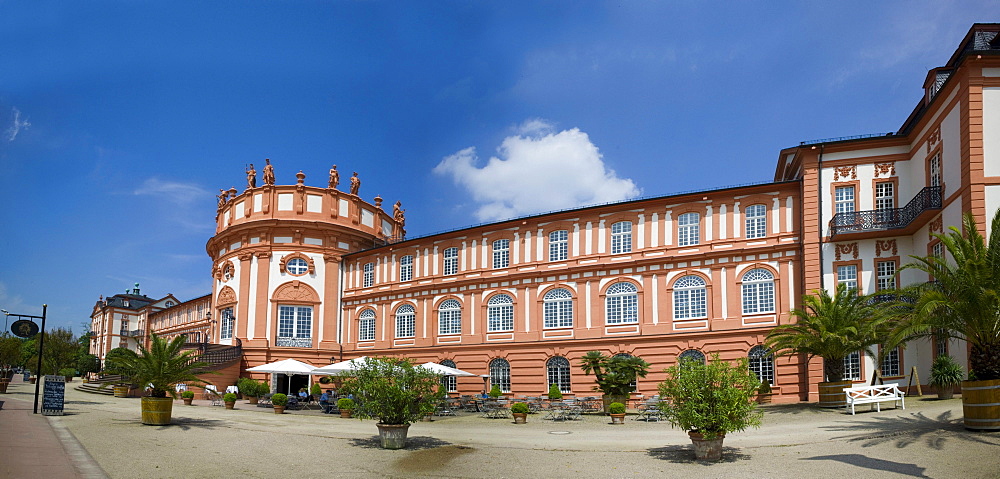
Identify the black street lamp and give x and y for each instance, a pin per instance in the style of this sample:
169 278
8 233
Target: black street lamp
41 346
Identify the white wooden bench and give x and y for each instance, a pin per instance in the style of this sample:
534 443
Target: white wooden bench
876 394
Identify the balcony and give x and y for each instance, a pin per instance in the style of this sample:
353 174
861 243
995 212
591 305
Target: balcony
135 333
927 199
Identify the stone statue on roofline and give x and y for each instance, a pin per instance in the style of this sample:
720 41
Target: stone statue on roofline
223 197
268 173
251 177
334 177
355 183
398 214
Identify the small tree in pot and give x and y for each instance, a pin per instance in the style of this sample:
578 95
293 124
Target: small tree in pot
230 400
161 366
615 375
554 393
520 412
617 412
945 375
392 391
278 402
346 407
187 397
710 400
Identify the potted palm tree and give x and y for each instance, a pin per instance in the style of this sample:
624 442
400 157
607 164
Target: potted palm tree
187 397
617 412
392 391
278 402
161 366
963 302
832 327
945 375
710 400
520 412
615 375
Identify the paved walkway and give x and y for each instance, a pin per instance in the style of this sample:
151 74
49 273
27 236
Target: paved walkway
925 440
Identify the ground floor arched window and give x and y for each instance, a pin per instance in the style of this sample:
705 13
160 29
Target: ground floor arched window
449 383
762 364
558 372
500 374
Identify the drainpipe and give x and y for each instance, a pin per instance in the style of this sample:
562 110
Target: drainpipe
819 177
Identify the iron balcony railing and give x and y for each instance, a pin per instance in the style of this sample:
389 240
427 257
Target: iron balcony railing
928 198
133 333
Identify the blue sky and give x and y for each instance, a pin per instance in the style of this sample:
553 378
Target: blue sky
119 121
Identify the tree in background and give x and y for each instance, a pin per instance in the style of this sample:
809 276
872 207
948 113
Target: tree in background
615 375
61 351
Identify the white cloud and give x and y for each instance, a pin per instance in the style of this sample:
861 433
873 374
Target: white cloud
174 192
537 171
17 124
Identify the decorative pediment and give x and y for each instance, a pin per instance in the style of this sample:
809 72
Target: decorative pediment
296 291
847 249
882 246
845 171
887 169
226 296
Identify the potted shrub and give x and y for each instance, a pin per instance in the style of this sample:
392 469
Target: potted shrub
710 400
346 406
392 390
495 392
617 412
945 375
163 365
315 390
187 397
67 373
520 412
554 393
427 409
252 390
615 375
764 393
229 399
278 402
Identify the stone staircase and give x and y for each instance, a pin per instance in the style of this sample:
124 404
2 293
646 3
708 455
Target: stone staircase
103 385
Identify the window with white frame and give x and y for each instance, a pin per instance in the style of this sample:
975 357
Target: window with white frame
690 298
406 268
847 274
366 325
501 253
295 326
297 267
500 374
558 372
937 250
500 313
852 366
843 199
688 229
886 274
621 237
451 261
369 275
228 320
890 363
558 309
935 170
405 321
450 317
558 245
756 221
622 304
885 197
762 364
758 292
449 383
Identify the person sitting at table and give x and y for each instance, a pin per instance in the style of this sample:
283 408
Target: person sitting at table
324 401
303 394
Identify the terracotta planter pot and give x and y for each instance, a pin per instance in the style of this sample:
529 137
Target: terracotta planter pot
156 411
617 418
187 401
392 436
764 398
520 417
428 418
32 380
706 449
981 404
253 399
346 413
230 404
946 392
3 386
279 409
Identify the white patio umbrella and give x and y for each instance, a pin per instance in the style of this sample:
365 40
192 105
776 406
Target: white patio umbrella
445 370
341 366
288 367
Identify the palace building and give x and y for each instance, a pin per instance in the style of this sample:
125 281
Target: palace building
321 275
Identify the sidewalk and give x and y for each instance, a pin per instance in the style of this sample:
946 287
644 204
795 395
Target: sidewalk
33 445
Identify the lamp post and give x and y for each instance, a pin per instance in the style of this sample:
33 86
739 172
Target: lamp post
41 347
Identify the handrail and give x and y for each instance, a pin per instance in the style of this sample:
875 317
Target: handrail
886 219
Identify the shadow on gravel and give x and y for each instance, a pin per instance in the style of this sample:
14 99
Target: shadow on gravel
685 455
866 462
798 408
430 459
412 443
83 402
188 423
906 430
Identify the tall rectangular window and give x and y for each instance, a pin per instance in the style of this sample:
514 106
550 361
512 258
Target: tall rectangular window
890 363
621 237
558 245
226 331
935 170
843 198
688 229
501 254
451 261
369 275
756 222
406 268
852 366
848 275
885 196
886 273
294 326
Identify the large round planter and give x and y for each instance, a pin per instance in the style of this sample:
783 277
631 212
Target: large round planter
831 394
617 418
981 404
946 392
230 404
253 399
279 409
607 400
706 449
187 401
520 417
121 391
764 398
156 411
392 436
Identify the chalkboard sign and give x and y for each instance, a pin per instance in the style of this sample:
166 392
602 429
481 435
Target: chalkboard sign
54 395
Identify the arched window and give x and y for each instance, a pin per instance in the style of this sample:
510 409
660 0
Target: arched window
451 261
557 370
758 292
688 229
500 314
500 374
762 364
366 325
450 317
449 383
558 245
405 321
558 309
756 221
622 304
621 237
690 298
691 355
